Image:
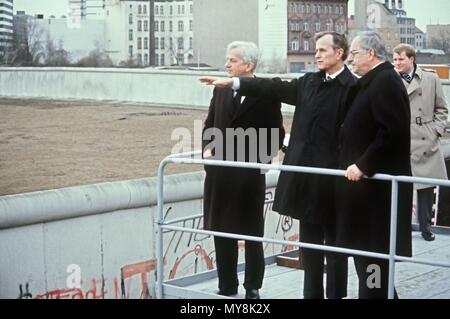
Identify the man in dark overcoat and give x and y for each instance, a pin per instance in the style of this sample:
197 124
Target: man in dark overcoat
234 197
374 138
319 99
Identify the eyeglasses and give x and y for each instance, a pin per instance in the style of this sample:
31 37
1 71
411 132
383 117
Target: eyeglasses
355 52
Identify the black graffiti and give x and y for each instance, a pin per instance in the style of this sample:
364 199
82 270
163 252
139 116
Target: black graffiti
24 295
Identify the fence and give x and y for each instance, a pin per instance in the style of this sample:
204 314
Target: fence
188 158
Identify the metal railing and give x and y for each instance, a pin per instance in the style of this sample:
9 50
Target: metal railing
188 158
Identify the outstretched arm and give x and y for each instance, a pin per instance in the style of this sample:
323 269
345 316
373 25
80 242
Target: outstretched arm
217 82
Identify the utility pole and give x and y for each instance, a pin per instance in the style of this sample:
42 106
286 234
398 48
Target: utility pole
152 32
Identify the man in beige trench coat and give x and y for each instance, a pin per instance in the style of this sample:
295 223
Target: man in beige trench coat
429 116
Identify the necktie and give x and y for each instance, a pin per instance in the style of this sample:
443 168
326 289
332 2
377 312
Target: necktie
407 77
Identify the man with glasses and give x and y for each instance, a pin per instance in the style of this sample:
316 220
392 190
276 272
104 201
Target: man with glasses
429 115
374 138
319 99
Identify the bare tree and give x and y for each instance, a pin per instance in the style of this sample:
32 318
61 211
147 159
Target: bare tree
30 49
177 48
55 56
441 41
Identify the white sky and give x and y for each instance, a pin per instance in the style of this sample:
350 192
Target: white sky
425 12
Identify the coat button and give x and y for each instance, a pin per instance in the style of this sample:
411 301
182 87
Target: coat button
420 94
424 153
420 110
423 138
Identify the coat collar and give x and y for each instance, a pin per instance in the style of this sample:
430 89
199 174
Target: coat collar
366 79
343 78
415 83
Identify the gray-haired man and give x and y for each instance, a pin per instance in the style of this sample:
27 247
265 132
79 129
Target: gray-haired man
374 138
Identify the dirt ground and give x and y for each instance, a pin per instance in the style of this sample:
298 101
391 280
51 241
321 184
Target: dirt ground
54 144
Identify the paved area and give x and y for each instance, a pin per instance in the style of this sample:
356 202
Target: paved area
413 281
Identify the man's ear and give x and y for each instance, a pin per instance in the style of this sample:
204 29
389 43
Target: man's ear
249 67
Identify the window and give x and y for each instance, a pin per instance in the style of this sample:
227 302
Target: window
162 44
337 10
139 27
156 43
317 26
130 50
156 25
139 9
139 58
170 26
156 10
308 9
170 43
161 9
294 44
182 9
292 7
329 27
130 18
325 9
130 35
145 43
145 25
162 26
163 62
190 25
303 8
180 26
179 9
145 9
190 43
180 58
157 59
341 10
318 8
330 9
139 43
180 43
306 26
146 58
191 9
314 8
306 45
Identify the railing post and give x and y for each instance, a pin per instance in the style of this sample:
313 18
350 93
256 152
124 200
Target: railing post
393 238
159 220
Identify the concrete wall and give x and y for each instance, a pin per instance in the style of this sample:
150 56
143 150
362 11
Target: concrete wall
161 87
102 237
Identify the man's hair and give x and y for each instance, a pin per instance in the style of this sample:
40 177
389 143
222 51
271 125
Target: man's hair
372 40
339 41
250 51
408 49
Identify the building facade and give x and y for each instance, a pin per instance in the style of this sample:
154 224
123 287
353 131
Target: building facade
388 18
219 22
305 19
6 27
129 31
174 32
421 42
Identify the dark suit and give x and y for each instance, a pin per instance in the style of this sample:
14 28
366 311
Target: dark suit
313 142
234 197
376 136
